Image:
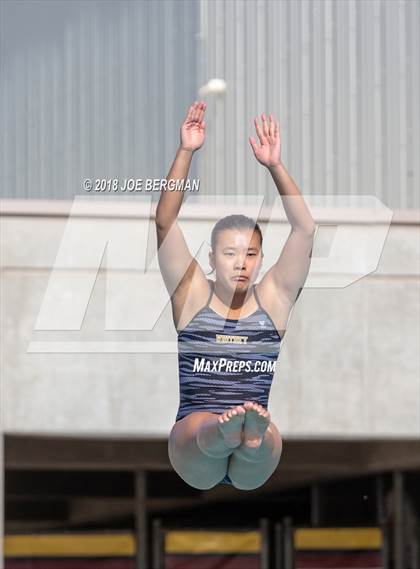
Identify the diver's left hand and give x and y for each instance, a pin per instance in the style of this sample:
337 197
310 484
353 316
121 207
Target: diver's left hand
268 154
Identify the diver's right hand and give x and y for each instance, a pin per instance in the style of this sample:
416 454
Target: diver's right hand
193 128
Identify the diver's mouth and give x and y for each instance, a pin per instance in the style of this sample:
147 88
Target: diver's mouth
240 279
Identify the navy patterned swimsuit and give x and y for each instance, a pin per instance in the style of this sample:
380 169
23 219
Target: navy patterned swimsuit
224 362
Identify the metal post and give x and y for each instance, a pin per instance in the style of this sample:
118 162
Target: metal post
385 545
265 543
288 543
157 544
140 515
412 531
315 505
416 547
379 496
381 519
278 546
398 483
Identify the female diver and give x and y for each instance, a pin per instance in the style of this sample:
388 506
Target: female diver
229 330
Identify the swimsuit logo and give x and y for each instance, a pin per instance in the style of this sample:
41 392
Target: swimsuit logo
262 323
226 339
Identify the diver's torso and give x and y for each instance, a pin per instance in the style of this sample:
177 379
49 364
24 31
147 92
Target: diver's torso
225 362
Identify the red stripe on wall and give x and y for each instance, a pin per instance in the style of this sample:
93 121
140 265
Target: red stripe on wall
212 562
353 560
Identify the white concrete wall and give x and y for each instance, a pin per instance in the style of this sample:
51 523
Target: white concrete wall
349 365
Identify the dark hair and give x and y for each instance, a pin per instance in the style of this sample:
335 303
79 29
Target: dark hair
234 221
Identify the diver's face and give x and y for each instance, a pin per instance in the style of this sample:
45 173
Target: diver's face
237 259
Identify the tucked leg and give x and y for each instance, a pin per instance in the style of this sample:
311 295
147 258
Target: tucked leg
200 444
251 468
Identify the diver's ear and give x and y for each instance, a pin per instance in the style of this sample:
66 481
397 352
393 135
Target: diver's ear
211 259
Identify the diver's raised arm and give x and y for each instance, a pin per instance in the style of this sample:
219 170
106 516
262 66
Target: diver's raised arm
268 154
288 275
178 267
191 139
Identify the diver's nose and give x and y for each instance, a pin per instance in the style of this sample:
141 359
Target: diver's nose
240 262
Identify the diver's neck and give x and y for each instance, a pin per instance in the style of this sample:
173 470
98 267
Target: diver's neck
233 299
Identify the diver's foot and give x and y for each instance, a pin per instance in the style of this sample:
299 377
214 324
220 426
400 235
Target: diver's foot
257 420
230 424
